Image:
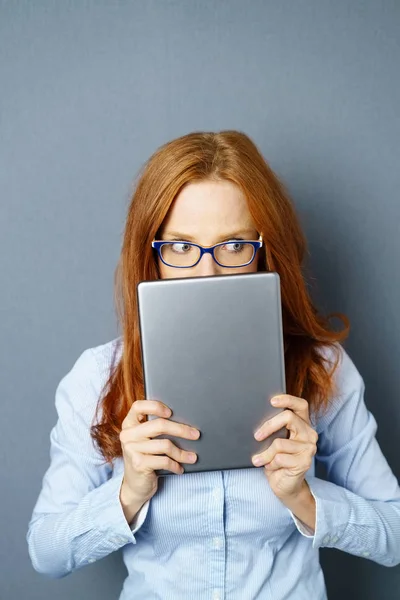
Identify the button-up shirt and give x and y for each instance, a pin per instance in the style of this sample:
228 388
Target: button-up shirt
215 535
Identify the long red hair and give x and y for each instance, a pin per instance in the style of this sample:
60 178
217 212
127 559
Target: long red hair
226 155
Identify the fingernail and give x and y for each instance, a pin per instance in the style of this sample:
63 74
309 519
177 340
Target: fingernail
258 434
275 400
191 456
257 460
194 433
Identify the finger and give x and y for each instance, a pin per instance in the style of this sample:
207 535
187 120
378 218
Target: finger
141 408
287 461
298 428
145 463
299 406
278 446
160 426
163 446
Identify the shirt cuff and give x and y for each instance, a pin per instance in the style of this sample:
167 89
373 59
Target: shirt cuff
332 513
108 516
140 517
302 527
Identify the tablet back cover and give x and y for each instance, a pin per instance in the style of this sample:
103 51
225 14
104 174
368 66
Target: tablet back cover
212 350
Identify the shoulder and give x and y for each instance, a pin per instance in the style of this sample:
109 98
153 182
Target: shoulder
106 356
79 390
347 379
346 375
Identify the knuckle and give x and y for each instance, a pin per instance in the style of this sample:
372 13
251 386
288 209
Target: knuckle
167 446
304 403
289 414
124 423
309 449
123 435
136 404
169 464
137 461
160 425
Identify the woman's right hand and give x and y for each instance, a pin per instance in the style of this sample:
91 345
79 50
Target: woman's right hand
142 454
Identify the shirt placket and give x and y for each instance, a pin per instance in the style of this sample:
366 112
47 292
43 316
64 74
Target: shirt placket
217 541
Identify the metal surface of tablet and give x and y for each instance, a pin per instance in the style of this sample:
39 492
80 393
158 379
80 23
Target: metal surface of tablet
212 350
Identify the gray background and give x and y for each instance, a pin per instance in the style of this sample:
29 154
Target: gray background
88 91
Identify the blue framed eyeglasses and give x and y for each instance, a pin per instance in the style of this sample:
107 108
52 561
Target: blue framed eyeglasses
231 254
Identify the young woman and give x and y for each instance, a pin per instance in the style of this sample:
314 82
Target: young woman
235 534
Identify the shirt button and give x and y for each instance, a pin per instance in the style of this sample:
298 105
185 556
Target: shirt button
365 553
335 539
217 595
91 560
216 493
218 542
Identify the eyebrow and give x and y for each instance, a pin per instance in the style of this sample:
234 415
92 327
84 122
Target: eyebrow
240 234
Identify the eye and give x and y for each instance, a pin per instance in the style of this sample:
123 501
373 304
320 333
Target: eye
181 247
234 247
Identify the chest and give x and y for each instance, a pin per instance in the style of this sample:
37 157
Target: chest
233 504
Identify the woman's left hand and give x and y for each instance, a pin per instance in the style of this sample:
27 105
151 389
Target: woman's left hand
286 461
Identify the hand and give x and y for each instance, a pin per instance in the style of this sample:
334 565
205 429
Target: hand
142 455
287 460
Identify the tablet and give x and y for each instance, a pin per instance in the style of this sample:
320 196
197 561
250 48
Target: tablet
212 350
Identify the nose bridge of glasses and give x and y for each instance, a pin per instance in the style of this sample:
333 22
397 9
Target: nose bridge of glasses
207 250
207 265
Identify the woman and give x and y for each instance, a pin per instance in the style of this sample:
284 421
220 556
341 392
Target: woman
234 534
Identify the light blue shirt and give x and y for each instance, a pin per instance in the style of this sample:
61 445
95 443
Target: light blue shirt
219 535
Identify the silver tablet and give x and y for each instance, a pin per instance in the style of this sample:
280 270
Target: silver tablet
212 350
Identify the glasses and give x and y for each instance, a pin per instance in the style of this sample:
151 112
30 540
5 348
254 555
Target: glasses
230 254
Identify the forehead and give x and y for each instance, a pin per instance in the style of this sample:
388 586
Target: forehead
214 205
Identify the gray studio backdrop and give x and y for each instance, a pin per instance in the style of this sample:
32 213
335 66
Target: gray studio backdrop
88 91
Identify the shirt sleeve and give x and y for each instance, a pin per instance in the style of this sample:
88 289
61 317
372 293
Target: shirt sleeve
78 517
358 507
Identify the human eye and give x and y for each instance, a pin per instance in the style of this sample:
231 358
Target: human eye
234 246
181 247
